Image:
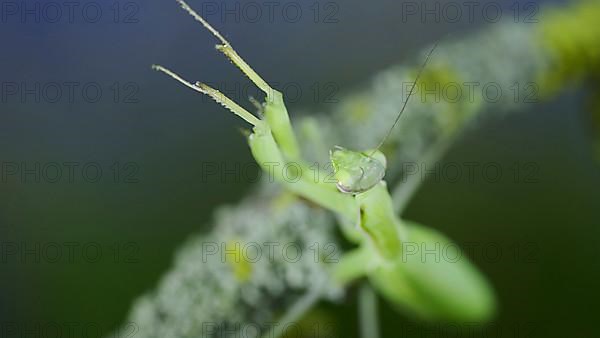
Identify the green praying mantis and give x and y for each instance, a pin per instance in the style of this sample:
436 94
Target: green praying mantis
431 288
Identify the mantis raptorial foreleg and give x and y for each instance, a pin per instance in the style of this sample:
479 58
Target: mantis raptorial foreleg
214 94
273 142
275 111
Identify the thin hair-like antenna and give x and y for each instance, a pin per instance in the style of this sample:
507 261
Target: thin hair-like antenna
412 88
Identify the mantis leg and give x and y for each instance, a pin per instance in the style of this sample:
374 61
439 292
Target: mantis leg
273 142
275 111
214 94
368 315
269 154
355 264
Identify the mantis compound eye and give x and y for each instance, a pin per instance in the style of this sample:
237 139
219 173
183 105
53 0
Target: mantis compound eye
357 171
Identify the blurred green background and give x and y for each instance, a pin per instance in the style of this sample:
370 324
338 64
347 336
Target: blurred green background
157 136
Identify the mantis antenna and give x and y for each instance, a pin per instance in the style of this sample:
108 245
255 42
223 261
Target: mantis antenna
412 88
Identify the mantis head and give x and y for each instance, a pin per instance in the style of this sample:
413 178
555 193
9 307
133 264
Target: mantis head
357 171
